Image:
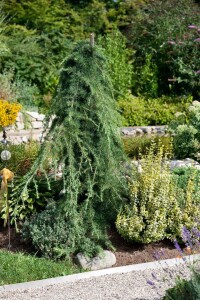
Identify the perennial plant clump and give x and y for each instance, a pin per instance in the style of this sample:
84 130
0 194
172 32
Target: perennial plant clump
185 287
186 128
8 112
158 206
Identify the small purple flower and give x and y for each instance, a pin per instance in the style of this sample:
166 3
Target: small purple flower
197 40
162 252
176 245
156 255
171 43
155 277
192 27
187 238
195 231
198 30
198 72
150 282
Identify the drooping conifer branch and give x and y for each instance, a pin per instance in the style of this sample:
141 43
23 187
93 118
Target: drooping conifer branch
84 140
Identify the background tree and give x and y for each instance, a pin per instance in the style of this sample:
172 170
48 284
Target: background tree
84 141
120 60
161 32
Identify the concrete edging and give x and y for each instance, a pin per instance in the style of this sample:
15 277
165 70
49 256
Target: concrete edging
117 270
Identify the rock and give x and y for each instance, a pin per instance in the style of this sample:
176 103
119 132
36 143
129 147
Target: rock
131 133
20 117
147 130
19 125
24 139
40 117
188 162
104 260
37 124
125 131
32 114
153 130
139 131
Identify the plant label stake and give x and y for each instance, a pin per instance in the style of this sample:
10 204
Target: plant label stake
6 176
92 40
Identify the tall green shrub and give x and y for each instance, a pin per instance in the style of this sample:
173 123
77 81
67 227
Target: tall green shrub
84 141
119 62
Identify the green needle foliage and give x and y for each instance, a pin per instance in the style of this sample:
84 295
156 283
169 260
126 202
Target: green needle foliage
84 142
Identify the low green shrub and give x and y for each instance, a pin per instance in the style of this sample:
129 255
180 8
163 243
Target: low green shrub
182 175
134 147
158 207
139 111
55 236
185 289
186 133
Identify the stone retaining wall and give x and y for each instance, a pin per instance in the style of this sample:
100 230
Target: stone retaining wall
29 126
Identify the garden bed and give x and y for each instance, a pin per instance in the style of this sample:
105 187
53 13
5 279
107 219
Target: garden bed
126 253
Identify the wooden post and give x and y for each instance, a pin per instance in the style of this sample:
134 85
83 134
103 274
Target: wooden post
92 40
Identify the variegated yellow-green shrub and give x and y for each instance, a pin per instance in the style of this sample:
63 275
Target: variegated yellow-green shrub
158 208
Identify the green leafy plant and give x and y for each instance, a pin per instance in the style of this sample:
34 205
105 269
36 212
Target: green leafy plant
119 59
185 289
183 174
56 236
22 157
136 146
40 193
186 134
158 207
146 78
138 111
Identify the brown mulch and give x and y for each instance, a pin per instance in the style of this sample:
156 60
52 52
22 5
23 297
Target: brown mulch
126 253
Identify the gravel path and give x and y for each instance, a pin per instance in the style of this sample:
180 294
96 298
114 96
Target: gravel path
127 286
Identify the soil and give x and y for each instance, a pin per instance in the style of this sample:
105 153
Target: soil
126 253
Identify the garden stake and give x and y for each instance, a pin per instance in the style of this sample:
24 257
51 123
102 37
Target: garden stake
92 40
6 176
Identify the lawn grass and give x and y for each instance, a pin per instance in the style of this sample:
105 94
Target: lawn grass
18 267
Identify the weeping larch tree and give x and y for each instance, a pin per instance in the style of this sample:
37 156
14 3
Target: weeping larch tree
84 142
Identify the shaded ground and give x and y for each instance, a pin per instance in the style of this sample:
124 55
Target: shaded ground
126 253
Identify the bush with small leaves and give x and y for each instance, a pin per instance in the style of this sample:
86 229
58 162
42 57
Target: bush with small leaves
186 134
158 207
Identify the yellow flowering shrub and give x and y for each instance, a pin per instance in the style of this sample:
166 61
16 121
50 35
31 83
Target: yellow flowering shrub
158 208
8 112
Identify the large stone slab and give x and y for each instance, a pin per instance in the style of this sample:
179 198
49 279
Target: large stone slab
104 260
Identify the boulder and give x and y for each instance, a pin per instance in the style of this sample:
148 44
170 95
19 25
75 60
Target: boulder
139 131
131 133
147 130
102 261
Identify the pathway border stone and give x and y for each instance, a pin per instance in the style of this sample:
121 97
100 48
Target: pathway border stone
118 270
